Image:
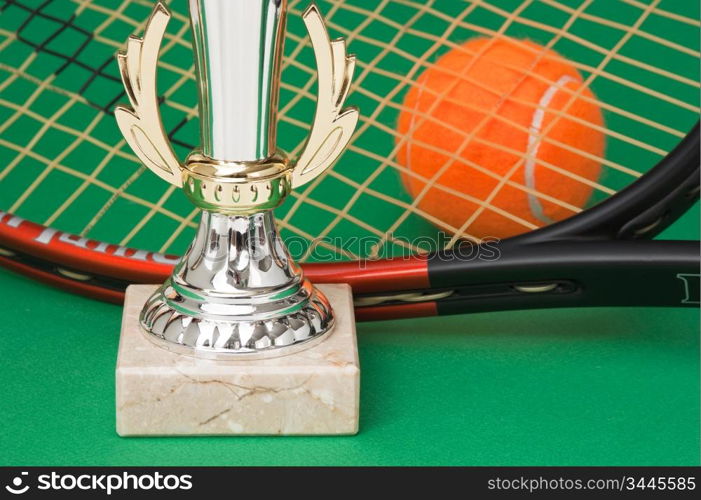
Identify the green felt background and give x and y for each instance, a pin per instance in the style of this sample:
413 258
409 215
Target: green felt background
561 387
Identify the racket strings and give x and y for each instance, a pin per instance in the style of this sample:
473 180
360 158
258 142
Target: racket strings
559 32
360 25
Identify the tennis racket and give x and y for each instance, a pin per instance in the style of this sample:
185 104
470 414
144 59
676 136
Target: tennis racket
78 210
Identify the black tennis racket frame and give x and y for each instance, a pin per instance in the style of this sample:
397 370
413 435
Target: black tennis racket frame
595 258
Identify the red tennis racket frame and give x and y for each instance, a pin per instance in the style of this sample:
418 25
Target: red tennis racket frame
78 255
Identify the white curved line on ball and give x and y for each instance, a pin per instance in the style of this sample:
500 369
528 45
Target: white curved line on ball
534 145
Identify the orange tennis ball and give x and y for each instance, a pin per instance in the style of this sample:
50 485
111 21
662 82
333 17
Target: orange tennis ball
509 129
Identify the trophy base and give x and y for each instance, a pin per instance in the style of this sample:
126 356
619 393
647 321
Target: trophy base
315 391
284 321
182 321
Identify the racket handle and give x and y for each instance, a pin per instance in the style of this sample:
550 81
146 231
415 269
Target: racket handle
547 275
569 274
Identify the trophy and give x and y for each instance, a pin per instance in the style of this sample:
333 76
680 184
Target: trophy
236 291
249 346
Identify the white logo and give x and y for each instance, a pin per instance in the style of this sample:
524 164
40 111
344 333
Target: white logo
17 483
692 288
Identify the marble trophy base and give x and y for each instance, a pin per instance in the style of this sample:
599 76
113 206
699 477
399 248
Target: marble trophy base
313 391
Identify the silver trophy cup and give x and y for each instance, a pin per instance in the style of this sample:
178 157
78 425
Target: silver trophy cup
236 291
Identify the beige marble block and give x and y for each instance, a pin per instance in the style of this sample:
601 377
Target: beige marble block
315 391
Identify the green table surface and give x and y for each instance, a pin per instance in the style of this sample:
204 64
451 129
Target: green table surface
558 387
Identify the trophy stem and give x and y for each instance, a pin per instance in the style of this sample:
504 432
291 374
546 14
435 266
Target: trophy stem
237 255
236 291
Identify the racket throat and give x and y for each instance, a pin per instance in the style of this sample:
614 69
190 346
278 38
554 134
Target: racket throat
236 291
